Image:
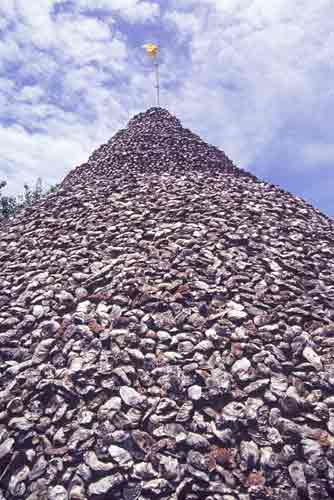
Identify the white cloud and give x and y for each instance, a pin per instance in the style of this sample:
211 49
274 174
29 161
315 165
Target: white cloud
35 23
38 155
7 7
186 22
30 93
3 23
69 36
132 10
42 68
255 67
84 39
9 51
6 85
141 12
65 110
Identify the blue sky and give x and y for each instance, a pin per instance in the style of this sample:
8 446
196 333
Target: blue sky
254 77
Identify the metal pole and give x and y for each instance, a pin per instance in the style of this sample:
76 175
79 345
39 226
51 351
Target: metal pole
158 82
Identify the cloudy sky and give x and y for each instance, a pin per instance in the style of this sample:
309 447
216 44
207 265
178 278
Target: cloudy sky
254 77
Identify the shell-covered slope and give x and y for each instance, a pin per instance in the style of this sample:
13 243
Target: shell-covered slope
166 331
154 141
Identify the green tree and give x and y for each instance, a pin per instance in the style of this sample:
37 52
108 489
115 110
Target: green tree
37 192
8 204
30 196
53 188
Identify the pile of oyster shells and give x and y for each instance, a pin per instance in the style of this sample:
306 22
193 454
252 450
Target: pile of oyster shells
166 331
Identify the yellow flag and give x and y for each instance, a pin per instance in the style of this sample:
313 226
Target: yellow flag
151 49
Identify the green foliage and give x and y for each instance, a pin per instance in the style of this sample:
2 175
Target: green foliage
8 206
37 191
53 188
7 203
30 196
